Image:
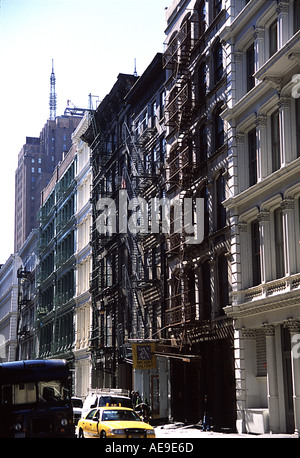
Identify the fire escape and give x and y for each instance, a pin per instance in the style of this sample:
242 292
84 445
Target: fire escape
119 285
182 103
25 332
141 181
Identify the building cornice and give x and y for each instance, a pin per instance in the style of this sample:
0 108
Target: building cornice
256 191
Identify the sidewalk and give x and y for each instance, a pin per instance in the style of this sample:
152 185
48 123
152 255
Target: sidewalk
181 431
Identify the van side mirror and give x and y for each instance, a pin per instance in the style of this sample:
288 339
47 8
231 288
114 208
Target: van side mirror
92 406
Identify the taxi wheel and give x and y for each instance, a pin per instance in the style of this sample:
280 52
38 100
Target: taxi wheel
80 434
103 435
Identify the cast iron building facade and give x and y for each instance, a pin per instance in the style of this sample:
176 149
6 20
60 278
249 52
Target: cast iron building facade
199 274
57 264
126 136
110 322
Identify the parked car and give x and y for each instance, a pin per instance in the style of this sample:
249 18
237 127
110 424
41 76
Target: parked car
102 397
77 405
114 422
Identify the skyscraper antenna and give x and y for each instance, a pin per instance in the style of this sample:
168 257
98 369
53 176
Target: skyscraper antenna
52 99
135 72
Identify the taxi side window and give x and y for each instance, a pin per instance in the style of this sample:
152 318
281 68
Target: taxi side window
91 414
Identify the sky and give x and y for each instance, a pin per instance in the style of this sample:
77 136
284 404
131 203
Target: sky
90 41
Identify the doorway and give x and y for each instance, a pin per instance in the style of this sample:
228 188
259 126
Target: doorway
287 380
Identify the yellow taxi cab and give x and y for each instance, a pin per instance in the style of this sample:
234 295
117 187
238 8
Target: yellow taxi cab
114 422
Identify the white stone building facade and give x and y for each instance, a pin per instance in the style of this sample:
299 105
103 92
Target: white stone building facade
263 201
83 254
9 308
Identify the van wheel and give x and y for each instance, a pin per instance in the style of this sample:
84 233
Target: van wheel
103 435
80 434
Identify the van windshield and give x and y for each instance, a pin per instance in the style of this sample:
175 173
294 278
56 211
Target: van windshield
50 392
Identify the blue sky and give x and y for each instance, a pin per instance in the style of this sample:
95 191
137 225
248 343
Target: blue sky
91 42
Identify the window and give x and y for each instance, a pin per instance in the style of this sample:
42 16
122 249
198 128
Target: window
218 129
202 80
217 7
223 289
279 246
273 38
206 291
250 67
221 211
255 245
204 195
276 162
202 143
296 16
252 153
201 17
162 104
218 62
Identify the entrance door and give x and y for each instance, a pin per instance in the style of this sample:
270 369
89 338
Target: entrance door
287 378
155 395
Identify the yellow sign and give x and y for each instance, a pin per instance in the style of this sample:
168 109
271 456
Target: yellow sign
143 356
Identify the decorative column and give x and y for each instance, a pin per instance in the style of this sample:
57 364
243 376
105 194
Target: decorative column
289 236
265 248
259 46
283 22
294 328
273 403
262 156
240 88
285 123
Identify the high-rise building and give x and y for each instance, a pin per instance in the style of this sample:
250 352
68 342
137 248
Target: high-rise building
36 163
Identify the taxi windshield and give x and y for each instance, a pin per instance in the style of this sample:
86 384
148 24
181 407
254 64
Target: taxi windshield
120 415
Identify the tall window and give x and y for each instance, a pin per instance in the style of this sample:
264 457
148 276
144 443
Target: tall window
204 195
218 62
296 16
217 7
221 211
255 245
218 129
252 152
250 67
202 17
273 38
279 246
202 80
202 143
206 291
223 289
275 141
